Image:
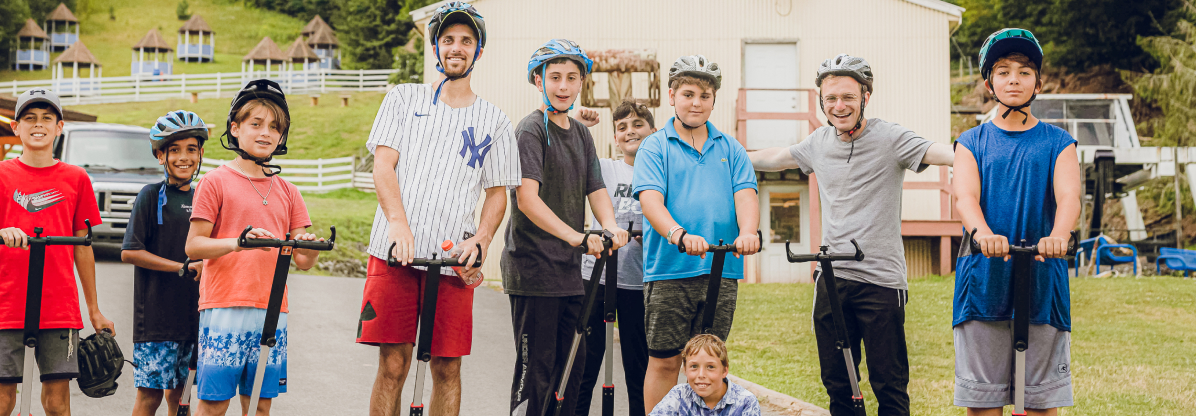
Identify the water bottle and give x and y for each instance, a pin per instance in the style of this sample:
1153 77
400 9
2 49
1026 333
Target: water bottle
455 252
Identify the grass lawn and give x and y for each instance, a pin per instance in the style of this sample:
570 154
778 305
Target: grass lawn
238 29
1133 345
326 131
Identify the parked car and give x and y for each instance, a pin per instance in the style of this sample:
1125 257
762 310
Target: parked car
119 161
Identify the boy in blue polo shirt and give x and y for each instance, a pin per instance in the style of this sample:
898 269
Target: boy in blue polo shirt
1016 178
690 177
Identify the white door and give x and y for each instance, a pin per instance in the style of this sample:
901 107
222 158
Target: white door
784 213
771 66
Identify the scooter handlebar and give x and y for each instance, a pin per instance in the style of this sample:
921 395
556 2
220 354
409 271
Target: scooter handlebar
246 242
720 248
433 261
824 256
607 240
62 241
186 272
1073 243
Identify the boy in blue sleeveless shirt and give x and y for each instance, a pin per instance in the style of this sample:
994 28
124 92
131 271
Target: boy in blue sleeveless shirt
1015 178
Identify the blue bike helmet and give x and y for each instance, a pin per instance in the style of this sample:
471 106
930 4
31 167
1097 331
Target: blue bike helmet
553 49
175 125
447 15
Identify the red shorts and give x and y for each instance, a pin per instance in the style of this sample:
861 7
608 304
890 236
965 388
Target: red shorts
391 304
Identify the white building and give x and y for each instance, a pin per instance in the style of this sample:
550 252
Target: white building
769 51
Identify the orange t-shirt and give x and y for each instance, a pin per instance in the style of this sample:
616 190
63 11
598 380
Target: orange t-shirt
227 199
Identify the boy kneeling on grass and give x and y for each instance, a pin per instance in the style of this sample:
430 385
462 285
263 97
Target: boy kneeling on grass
707 389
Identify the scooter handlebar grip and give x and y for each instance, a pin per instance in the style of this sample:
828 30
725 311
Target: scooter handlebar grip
71 241
246 242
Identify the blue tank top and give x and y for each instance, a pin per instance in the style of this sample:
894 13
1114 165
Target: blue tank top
1017 170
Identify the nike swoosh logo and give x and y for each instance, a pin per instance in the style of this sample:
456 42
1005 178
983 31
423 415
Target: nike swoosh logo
417 114
38 201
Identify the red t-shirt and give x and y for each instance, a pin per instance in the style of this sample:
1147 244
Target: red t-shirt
227 199
57 199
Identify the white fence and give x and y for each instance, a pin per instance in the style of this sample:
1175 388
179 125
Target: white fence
147 87
319 175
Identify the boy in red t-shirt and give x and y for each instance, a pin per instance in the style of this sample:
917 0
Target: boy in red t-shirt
234 288
40 191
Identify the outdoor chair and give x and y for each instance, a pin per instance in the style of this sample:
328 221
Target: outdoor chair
1105 253
1176 259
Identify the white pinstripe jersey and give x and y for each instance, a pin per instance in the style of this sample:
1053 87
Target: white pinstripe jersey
447 156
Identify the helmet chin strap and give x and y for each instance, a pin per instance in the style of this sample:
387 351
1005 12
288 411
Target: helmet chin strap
551 109
1010 109
447 77
169 175
268 169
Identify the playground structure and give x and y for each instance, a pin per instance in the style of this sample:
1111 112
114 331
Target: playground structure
155 45
322 40
32 51
191 47
59 24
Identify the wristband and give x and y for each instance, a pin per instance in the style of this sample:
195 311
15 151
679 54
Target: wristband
669 237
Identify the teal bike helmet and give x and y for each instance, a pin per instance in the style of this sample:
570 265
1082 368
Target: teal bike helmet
553 49
176 125
1004 42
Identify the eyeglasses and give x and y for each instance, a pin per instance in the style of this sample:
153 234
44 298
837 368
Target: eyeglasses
832 100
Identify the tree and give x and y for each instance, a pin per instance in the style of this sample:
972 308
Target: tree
40 8
12 17
183 11
1171 86
410 65
1076 34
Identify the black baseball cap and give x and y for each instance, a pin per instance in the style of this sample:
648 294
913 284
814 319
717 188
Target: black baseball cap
38 95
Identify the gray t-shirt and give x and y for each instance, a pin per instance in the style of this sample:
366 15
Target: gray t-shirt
617 176
534 262
862 199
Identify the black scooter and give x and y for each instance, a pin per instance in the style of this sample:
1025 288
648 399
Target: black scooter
832 295
277 289
1022 287
716 276
185 400
33 304
583 325
609 301
427 315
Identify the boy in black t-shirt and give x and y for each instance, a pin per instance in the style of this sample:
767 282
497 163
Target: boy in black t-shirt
165 306
541 259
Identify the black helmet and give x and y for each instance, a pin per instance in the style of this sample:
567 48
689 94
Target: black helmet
100 364
447 15
264 89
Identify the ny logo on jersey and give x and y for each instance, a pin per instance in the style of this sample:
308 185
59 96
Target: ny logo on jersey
476 150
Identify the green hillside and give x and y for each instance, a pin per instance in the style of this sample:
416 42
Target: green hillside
238 29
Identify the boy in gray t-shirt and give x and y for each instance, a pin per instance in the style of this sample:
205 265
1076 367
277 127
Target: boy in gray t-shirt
633 122
860 164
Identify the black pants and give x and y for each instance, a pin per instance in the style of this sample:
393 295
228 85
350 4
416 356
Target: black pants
544 329
632 343
875 315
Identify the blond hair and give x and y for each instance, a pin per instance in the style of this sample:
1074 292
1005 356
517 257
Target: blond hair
711 344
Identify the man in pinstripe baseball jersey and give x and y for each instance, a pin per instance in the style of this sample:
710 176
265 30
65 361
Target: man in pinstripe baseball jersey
436 147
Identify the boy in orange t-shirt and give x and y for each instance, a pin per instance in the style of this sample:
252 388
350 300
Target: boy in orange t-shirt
235 286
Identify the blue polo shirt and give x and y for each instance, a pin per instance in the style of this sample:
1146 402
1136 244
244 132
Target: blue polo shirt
699 191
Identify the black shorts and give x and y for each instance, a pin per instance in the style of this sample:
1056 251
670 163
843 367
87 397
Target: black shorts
673 311
57 354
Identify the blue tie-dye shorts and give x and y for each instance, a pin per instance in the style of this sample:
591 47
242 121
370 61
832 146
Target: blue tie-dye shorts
229 346
161 365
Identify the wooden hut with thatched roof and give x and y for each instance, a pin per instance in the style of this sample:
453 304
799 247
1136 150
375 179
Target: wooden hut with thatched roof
191 46
155 46
63 28
300 53
266 53
323 42
314 25
32 49
77 55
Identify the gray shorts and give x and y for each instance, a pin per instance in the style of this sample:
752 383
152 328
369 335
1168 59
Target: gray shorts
984 366
673 311
57 357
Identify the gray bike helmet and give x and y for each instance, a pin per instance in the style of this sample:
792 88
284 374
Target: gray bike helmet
699 66
846 65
